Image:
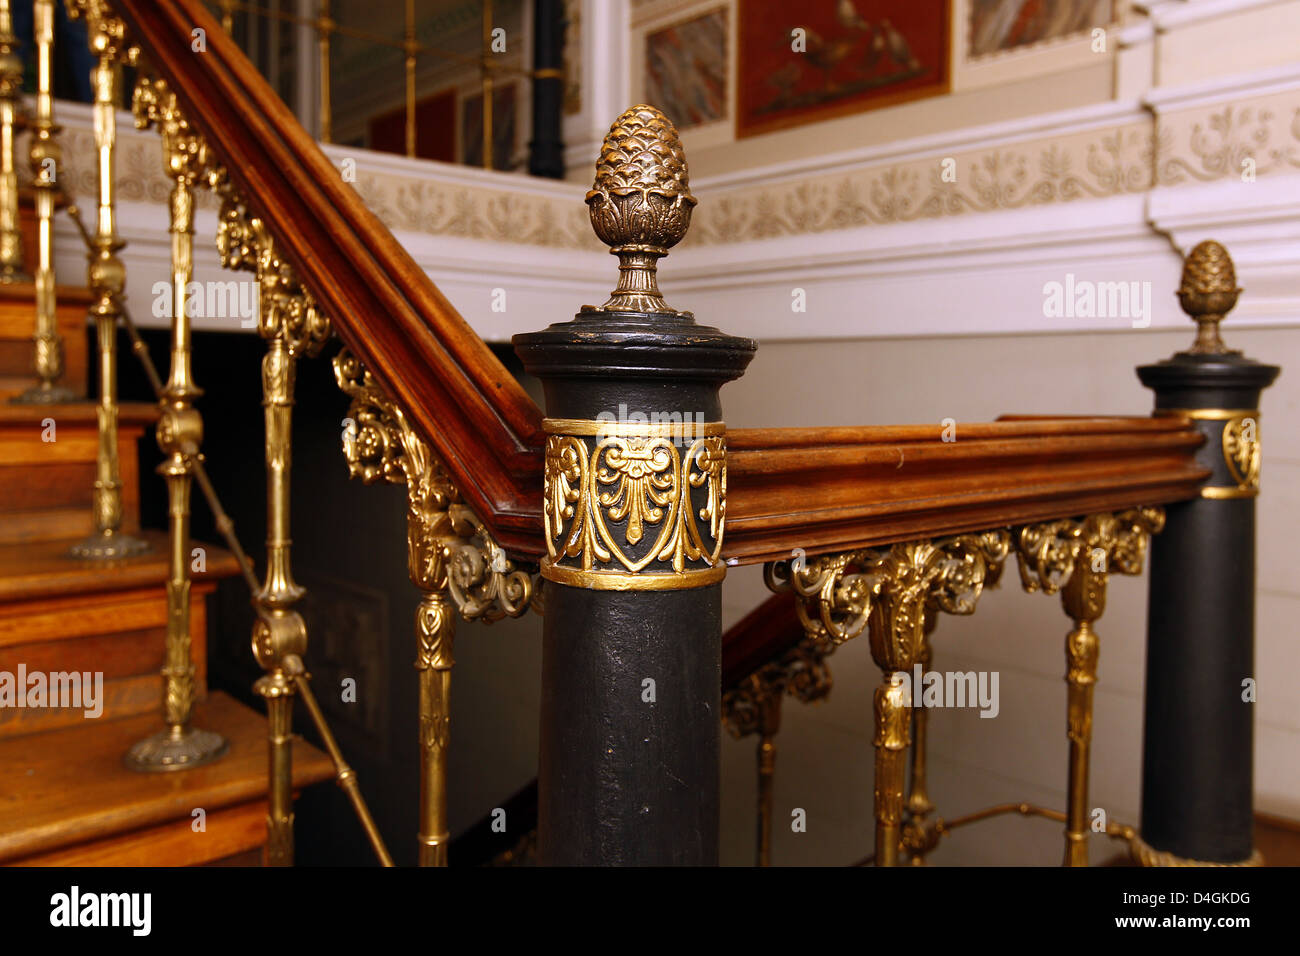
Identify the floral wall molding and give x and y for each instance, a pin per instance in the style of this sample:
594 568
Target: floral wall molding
1258 137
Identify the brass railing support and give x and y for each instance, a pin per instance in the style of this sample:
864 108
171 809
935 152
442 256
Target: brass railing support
12 267
754 707
180 433
292 325
1076 558
46 155
452 560
106 279
891 593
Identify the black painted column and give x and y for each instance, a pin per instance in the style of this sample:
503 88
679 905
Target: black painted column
635 488
546 149
1198 741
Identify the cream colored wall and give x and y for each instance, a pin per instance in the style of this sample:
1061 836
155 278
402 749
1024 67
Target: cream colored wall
824 762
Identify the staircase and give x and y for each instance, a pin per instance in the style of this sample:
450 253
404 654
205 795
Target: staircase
613 532
66 797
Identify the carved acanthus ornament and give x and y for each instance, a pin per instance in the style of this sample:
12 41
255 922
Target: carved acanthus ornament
634 504
450 549
839 592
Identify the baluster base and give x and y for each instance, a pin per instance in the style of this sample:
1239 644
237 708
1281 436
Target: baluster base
176 748
108 546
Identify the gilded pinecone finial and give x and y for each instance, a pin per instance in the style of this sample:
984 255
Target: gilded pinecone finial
640 204
1207 293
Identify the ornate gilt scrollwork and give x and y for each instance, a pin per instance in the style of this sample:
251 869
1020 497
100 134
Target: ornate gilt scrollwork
449 547
608 486
451 558
837 592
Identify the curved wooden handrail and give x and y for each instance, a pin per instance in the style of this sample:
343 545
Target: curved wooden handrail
463 401
819 489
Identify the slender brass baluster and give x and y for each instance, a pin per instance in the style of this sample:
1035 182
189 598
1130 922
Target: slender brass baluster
180 433
892 594
324 28
292 326
12 267
46 155
106 279
451 559
1076 558
753 706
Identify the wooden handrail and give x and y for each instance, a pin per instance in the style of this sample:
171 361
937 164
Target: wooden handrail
463 401
819 489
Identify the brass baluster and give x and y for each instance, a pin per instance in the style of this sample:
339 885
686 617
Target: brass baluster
180 433
489 157
106 279
891 594
12 267
1076 558
292 326
452 560
46 155
324 28
409 49
754 707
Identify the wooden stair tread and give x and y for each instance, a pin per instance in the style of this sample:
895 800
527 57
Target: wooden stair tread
26 291
70 786
128 413
43 568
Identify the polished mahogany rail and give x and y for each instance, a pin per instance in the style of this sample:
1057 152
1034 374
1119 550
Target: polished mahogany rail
818 489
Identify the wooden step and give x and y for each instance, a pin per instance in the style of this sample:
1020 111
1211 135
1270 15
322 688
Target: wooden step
66 798
47 487
17 323
61 614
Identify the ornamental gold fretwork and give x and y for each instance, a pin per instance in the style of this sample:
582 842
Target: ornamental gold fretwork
1075 558
753 706
452 559
892 593
605 494
1242 452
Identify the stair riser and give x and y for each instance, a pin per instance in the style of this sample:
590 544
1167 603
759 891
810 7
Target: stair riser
119 635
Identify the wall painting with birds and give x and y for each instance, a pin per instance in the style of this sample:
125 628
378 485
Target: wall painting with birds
799 63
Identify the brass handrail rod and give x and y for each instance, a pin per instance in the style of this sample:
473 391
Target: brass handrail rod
344 775
375 38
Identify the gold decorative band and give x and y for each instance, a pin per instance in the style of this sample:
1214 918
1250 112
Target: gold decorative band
1207 414
622 581
1227 492
1241 448
1144 854
634 506
588 428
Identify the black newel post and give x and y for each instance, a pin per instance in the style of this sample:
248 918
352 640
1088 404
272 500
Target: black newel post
546 150
1199 725
635 487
